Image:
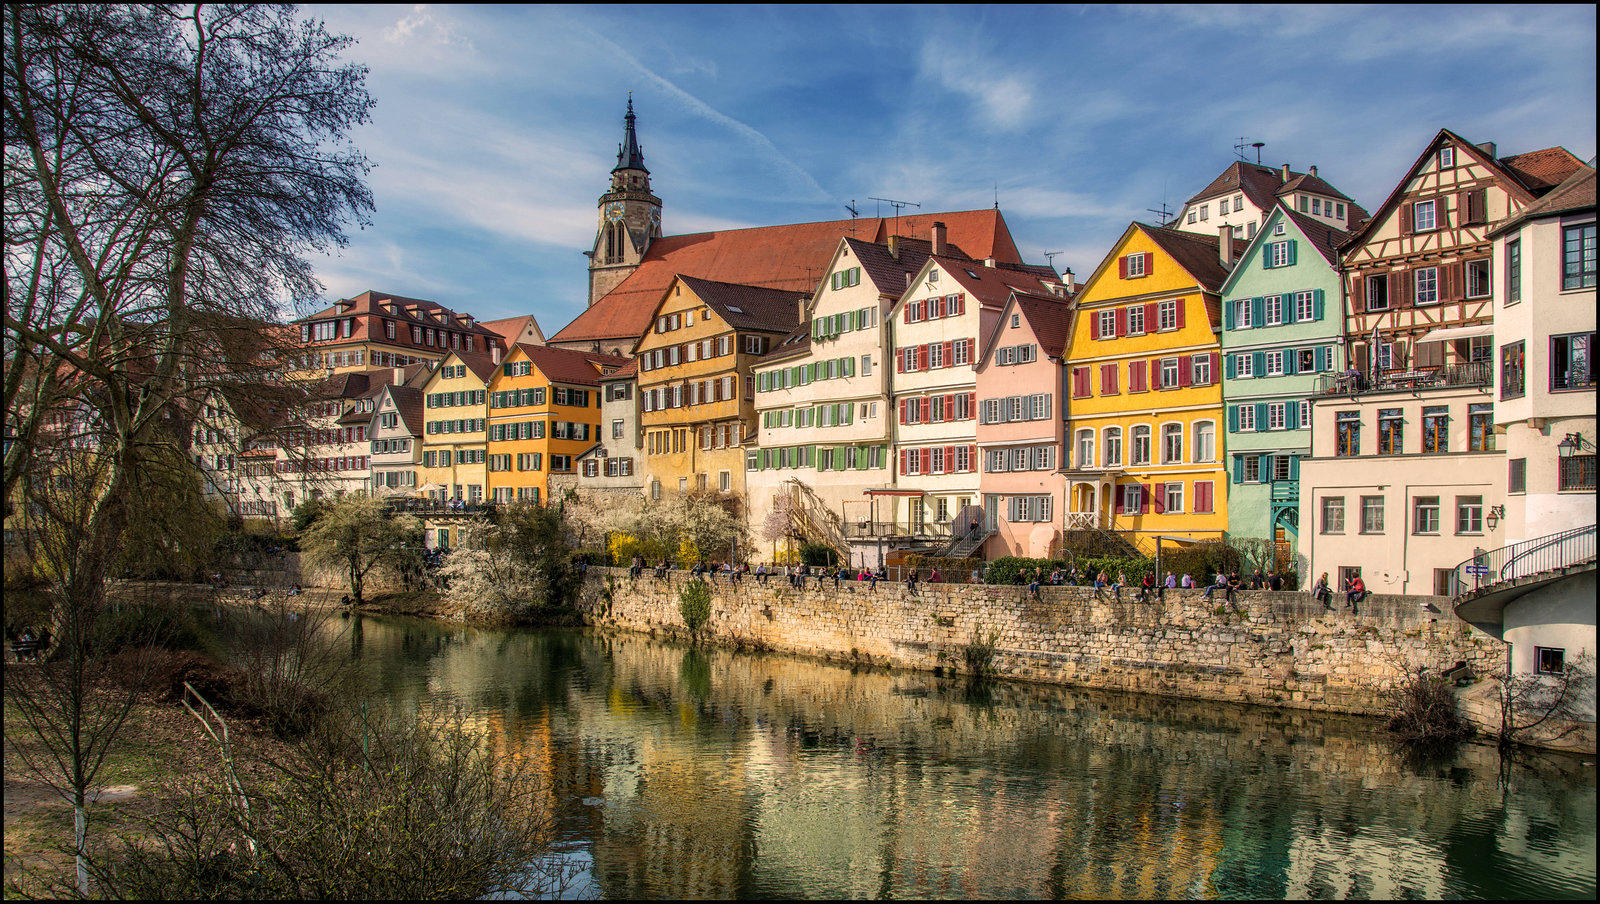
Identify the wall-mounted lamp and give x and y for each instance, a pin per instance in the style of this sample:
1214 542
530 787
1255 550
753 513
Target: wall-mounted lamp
1496 512
1573 444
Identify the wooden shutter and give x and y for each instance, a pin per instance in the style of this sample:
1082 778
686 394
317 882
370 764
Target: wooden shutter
1358 296
1228 315
922 357
1398 279
1180 304
949 459
1261 416
1233 417
1151 322
1232 368
1117 493
1149 264
1160 496
1216 368
1185 371
1144 498
1316 304
1293 245
1122 322
949 353
927 409
903 456
1136 376
1122 267
1405 218
1258 312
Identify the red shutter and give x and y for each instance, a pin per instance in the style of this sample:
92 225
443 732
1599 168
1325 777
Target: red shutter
1116 499
949 353
972 405
908 312
1149 264
1155 374
927 409
1216 368
1144 498
1122 267
922 357
949 459
903 454
1181 304
950 407
1122 322
1397 288
1358 294
1185 370
972 458
1161 498
1150 320
902 407
1136 376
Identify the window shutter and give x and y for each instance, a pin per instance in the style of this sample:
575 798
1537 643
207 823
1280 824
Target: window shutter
1261 415
1137 381
1238 469
1258 311
1185 371
850 367
1316 303
908 312
1150 321
1180 304
1258 361
1358 296
1323 363
972 403
927 409
1231 375
1149 263
1161 498
922 357
949 353
1122 322
1144 498
1227 314
1290 364
1117 493
1293 243
1405 218
1215 375
1454 283
1289 306
1122 267
1233 415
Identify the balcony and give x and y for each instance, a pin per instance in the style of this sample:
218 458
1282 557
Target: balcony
1352 384
439 507
1286 492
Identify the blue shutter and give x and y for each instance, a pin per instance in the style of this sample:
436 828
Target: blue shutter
1316 304
1288 307
1238 469
1227 314
1233 418
1289 356
1323 364
1259 362
1258 311
1261 416
1231 366
1292 244
1294 467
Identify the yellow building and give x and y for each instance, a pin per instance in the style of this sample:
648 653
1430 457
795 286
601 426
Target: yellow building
696 392
544 411
1144 389
454 442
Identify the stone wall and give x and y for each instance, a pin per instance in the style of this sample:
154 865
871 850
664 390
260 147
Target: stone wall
1274 648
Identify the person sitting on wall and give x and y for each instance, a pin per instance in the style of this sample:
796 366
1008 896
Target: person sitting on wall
1122 581
1322 592
935 577
1186 582
1147 586
1274 581
1356 593
1100 582
1033 585
1221 583
911 580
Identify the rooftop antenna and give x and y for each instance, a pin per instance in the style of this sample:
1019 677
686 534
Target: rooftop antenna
1258 145
1050 258
1163 212
1244 143
853 214
997 195
897 205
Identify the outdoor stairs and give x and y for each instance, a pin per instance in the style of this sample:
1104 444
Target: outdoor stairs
961 547
811 519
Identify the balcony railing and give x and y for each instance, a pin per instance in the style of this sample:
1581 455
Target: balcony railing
440 507
872 530
1475 373
1520 560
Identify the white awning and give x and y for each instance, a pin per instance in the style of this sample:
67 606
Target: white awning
1458 332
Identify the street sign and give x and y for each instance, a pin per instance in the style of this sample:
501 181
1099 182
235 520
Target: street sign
1477 569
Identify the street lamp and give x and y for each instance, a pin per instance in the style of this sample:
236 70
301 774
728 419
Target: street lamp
1572 445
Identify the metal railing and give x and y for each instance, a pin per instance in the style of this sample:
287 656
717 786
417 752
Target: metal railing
1519 560
1474 373
440 506
864 529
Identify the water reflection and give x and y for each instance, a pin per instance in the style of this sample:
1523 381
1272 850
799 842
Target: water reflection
685 772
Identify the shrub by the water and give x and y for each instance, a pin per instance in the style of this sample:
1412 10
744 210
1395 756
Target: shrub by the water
694 604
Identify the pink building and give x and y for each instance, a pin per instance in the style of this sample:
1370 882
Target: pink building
1020 427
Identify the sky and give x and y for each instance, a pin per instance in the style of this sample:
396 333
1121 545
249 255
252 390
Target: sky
496 128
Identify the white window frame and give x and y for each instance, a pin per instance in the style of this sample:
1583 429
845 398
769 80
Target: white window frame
1171 438
1425 277
1166 315
1111 439
1273 308
1305 306
1084 448
1242 309
1136 262
1174 500
1136 320
1134 435
1432 208
1204 439
1247 418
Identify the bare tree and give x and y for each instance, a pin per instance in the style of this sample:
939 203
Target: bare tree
1546 707
358 534
167 171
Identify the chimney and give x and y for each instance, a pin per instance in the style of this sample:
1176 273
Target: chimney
1225 246
399 375
1488 147
801 301
938 237
1066 280
1286 172
1313 170
894 247
989 262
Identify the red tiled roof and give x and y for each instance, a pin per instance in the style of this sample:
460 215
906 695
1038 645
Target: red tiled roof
1325 238
1050 318
408 401
788 258
1542 170
626 371
991 286
1576 193
1197 254
1264 184
511 328
367 308
565 365
798 342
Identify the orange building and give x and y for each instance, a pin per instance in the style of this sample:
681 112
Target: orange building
544 411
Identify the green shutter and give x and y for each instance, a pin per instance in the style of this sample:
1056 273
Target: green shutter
1231 366
1259 362
1261 416
1316 304
1292 245
1233 416
1258 311
1227 314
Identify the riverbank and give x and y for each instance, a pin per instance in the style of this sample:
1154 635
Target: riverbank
1276 649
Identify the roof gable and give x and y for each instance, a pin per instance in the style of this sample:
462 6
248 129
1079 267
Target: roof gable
1048 320
565 365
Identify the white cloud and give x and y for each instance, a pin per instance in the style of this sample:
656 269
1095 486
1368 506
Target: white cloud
1004 99
421 28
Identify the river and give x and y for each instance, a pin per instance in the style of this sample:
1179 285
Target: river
686 773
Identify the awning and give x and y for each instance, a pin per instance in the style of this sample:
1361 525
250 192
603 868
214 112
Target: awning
1458 332
889 492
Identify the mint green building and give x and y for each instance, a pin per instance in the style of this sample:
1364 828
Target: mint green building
1282 322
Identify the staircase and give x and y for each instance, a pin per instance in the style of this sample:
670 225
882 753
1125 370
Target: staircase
811 519
961 547
1089 538
1530 558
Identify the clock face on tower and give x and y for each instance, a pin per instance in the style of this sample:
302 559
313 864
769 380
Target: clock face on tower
655 218
613 211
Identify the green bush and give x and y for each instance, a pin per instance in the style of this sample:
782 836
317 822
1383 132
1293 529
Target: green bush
694 604
1018 569
818 554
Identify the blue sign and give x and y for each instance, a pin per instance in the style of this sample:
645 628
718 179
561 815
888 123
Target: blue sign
1477 569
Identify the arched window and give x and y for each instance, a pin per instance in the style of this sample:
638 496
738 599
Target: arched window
1205 441
1085 448
1113 447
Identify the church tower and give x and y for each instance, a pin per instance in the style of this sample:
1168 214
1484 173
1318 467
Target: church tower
630 217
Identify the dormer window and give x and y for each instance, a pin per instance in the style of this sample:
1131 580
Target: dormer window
1447 157
933 276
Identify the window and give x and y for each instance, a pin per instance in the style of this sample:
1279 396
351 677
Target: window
1435 429
1333 514
1427 285
1572 362
1513 370
1305 306
1477 279
1174 500
1549 660
1578 257
1282 467
1378 293
1238 202
1469 514
1244 365
1447 157
1391 431
1113 450
1171 443
1278 254
1205 441
1372 514
1276 415
1135 264
1193 215
1085 448
1425 515
1205 211
1105 325
1241 314
1513 272
1167 315
1347 427
1577 473
1169 373
1517 478
1422 216
1247 418
1480 428
1141 445
1274 309
1200 366
1274 363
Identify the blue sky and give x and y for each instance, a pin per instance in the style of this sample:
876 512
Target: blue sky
496 127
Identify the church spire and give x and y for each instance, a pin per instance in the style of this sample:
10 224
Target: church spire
628 154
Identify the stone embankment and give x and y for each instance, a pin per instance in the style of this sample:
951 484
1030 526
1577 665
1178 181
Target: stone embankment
1280 649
